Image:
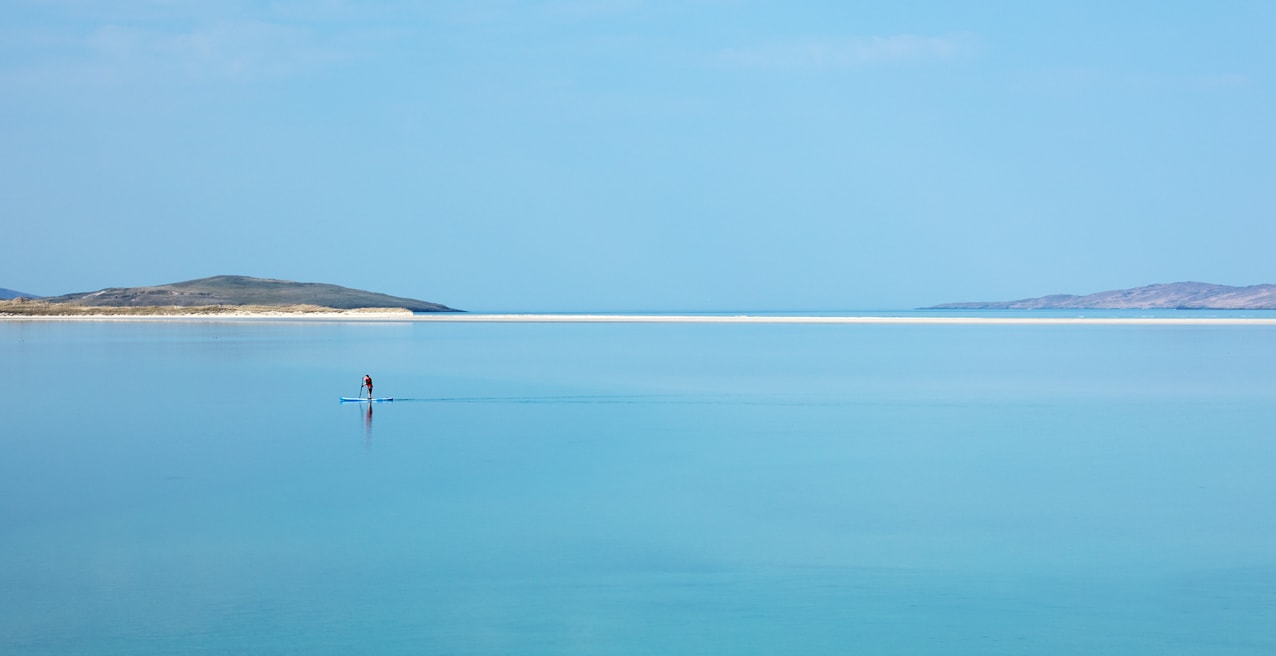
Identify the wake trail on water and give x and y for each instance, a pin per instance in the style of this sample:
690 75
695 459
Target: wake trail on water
622 400
532 399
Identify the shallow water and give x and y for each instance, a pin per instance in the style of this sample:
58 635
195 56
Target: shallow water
635 489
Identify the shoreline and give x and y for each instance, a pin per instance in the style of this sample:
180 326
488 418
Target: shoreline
36 310
849 320
222 316
377 315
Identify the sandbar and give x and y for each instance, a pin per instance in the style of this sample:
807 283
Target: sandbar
220 314
399 315
811 319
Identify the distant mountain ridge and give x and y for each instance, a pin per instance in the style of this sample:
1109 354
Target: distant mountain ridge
243 290
9 294
1170 296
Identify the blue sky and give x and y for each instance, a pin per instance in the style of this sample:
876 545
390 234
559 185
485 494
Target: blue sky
640 155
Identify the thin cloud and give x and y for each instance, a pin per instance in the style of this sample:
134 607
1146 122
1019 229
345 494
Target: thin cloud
241 50
226 51
846 53
592 8
1223 81
1085 80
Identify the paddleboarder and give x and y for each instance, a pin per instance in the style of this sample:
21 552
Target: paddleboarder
367 382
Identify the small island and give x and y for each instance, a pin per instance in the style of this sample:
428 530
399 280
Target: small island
223 296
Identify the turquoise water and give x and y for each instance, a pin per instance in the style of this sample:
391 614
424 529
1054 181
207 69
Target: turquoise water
196 488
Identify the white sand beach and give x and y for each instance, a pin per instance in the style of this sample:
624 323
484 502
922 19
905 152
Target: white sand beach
335 315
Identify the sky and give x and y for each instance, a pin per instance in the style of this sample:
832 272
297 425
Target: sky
630 155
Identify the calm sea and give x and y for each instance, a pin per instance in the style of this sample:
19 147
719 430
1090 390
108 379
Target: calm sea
197 488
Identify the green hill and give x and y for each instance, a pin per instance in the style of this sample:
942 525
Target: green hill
243 290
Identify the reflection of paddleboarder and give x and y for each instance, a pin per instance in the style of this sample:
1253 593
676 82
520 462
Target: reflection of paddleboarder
367 382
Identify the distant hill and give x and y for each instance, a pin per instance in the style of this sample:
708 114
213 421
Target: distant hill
1172 296
242 290
9 294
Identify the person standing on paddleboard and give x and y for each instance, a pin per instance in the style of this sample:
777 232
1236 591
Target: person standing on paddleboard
367 382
